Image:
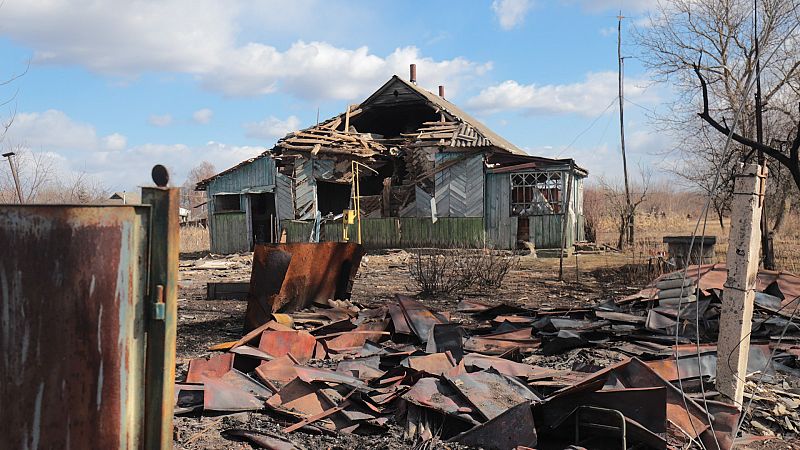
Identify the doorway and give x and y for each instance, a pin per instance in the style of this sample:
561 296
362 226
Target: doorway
263 224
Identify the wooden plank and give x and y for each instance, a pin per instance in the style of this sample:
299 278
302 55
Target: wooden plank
231 290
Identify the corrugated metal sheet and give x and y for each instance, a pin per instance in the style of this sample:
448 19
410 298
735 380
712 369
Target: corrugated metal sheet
258 175
305 189
229 233
459 188
501 226
284 200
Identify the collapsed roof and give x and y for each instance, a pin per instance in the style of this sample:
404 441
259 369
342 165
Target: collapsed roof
400 116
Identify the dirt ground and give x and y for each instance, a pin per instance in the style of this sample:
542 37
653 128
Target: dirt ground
588 279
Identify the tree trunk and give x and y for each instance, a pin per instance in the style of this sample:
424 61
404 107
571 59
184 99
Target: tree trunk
783 211
721 218
623 227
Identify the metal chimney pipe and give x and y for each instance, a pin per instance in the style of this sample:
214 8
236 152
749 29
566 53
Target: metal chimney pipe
441 91
413 76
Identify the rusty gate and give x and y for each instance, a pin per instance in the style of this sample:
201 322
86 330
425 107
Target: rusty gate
88 312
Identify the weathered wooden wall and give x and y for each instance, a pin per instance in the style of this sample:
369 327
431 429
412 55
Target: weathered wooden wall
257 176
229 233
394 232
284 197
459 188
501 226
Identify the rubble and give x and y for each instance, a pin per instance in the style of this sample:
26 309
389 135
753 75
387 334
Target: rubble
512 376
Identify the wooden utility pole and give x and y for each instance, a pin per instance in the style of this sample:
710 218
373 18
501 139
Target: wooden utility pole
737 303
766 238
621 67
14 174
565 220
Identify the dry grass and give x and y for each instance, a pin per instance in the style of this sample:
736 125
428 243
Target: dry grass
651 229
195 239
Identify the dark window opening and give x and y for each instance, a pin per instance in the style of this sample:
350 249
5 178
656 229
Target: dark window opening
227 203
332 198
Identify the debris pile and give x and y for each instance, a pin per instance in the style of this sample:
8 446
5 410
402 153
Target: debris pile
490 381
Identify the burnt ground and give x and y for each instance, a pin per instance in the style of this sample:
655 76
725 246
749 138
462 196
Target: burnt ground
202 323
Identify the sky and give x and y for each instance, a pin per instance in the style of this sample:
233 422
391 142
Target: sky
114 87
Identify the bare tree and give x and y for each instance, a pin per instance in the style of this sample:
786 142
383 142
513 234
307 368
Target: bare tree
679 32
35 169
189 196
617 203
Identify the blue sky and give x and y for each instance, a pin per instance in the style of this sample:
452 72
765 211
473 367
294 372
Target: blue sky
114 87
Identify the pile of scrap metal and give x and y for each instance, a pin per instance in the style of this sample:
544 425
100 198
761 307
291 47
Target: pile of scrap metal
338 368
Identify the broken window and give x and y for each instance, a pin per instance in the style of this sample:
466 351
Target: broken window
534 193
227 203
332 198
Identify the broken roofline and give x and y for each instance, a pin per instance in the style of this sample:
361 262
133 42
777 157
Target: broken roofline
461 131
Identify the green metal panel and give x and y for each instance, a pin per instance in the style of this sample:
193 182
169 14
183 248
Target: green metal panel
229 233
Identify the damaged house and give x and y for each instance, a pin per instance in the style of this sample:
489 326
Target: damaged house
422 173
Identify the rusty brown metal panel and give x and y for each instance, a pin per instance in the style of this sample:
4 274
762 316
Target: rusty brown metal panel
71 280
289 277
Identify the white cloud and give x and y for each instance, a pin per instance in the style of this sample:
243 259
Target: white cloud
272 127
203 116
54 129
126 38
160 120
115 142
511 13
129 168
588 97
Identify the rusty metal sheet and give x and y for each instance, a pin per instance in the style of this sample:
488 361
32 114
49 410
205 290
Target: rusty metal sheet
244 383
358 337
511 429
447 337
279 370
300 344
365 368
494 346
290 277
648 406
300 399
399 321
420 318
439 396
503 366
435 364
682 411
491 393
73 282
221 396
214 367
260 440
311 374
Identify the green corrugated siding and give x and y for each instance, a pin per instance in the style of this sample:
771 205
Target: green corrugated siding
229 233
392 232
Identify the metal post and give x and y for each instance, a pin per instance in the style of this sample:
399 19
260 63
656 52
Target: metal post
161 323
739 292
14 174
